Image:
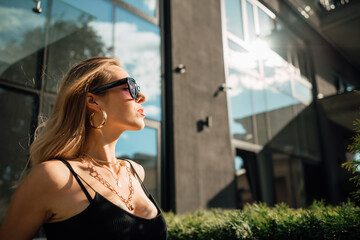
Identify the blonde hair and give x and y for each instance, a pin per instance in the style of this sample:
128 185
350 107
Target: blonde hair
63 135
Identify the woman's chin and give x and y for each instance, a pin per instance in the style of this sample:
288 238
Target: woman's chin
139 126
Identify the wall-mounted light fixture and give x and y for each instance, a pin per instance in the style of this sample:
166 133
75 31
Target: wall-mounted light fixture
204 123
181 68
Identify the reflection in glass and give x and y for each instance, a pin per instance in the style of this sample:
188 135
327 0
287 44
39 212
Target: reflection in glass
260 109
146 6
280 109
288 180
47 106
243 60
21 42
240 105
75 35
16 124
102 20
251 21
234 20
137 46
266 24
246 177
261 128
277 99
141 146
302 90
301 53
270 92
277 71
239 163
310 144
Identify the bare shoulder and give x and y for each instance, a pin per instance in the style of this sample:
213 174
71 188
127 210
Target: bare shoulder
139 169
52 173
42 183
33 202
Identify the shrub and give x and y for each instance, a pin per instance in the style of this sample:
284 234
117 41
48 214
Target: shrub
258 221
353 165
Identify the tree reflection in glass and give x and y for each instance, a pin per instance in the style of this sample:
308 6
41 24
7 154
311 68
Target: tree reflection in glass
74 36
21 42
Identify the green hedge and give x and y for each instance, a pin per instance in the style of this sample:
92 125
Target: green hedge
258 221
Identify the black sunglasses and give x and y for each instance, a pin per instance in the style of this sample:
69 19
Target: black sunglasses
134 89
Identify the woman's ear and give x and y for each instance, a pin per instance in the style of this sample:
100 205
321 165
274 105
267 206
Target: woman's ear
91 102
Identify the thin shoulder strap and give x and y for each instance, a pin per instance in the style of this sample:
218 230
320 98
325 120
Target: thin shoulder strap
143 187
137 176
77 177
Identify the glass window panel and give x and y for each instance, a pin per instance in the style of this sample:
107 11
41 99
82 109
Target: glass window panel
240 105
259 108
76 34
302 90
279 40
234 20
239 163
143 152
261 126
310 141
303 63
15 125
47 106
277 71
258 95
251 21
137 43
276 99
285 138
287 172
242 59
22 37
266 24
279 109
246 178
146 6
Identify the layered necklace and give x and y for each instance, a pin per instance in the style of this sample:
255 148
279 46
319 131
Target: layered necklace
95 174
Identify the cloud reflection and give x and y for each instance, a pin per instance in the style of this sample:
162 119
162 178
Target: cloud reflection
139 53
13 26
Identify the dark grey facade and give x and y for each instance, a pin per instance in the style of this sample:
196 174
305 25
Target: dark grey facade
203 162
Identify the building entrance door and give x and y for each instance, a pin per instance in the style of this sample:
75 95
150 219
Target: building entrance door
247 179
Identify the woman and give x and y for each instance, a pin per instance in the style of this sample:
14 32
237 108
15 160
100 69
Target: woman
77 189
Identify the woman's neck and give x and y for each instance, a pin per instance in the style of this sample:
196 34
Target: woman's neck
101 146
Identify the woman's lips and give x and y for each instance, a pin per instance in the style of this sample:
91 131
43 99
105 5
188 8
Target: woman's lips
141 111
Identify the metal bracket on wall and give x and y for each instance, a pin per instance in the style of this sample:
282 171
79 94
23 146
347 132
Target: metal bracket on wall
37 9
222 88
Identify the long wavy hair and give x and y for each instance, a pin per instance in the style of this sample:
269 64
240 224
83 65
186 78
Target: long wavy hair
63 135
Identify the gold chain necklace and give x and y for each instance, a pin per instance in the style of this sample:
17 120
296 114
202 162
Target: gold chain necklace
113 174
95 174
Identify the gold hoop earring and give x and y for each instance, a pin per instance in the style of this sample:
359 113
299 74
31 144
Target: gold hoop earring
103 121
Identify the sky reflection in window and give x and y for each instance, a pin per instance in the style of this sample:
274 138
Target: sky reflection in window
137 46
146 6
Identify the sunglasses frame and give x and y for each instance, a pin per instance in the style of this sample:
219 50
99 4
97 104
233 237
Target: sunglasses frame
117 83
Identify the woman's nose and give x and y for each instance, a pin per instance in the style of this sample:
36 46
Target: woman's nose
141 98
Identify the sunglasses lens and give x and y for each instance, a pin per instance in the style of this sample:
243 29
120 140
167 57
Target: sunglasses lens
134 91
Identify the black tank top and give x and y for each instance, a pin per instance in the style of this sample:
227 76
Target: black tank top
103 220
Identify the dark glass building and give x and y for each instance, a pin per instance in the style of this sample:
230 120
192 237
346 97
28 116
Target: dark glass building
247 100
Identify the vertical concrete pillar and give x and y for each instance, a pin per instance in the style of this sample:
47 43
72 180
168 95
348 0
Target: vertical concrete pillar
202 155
